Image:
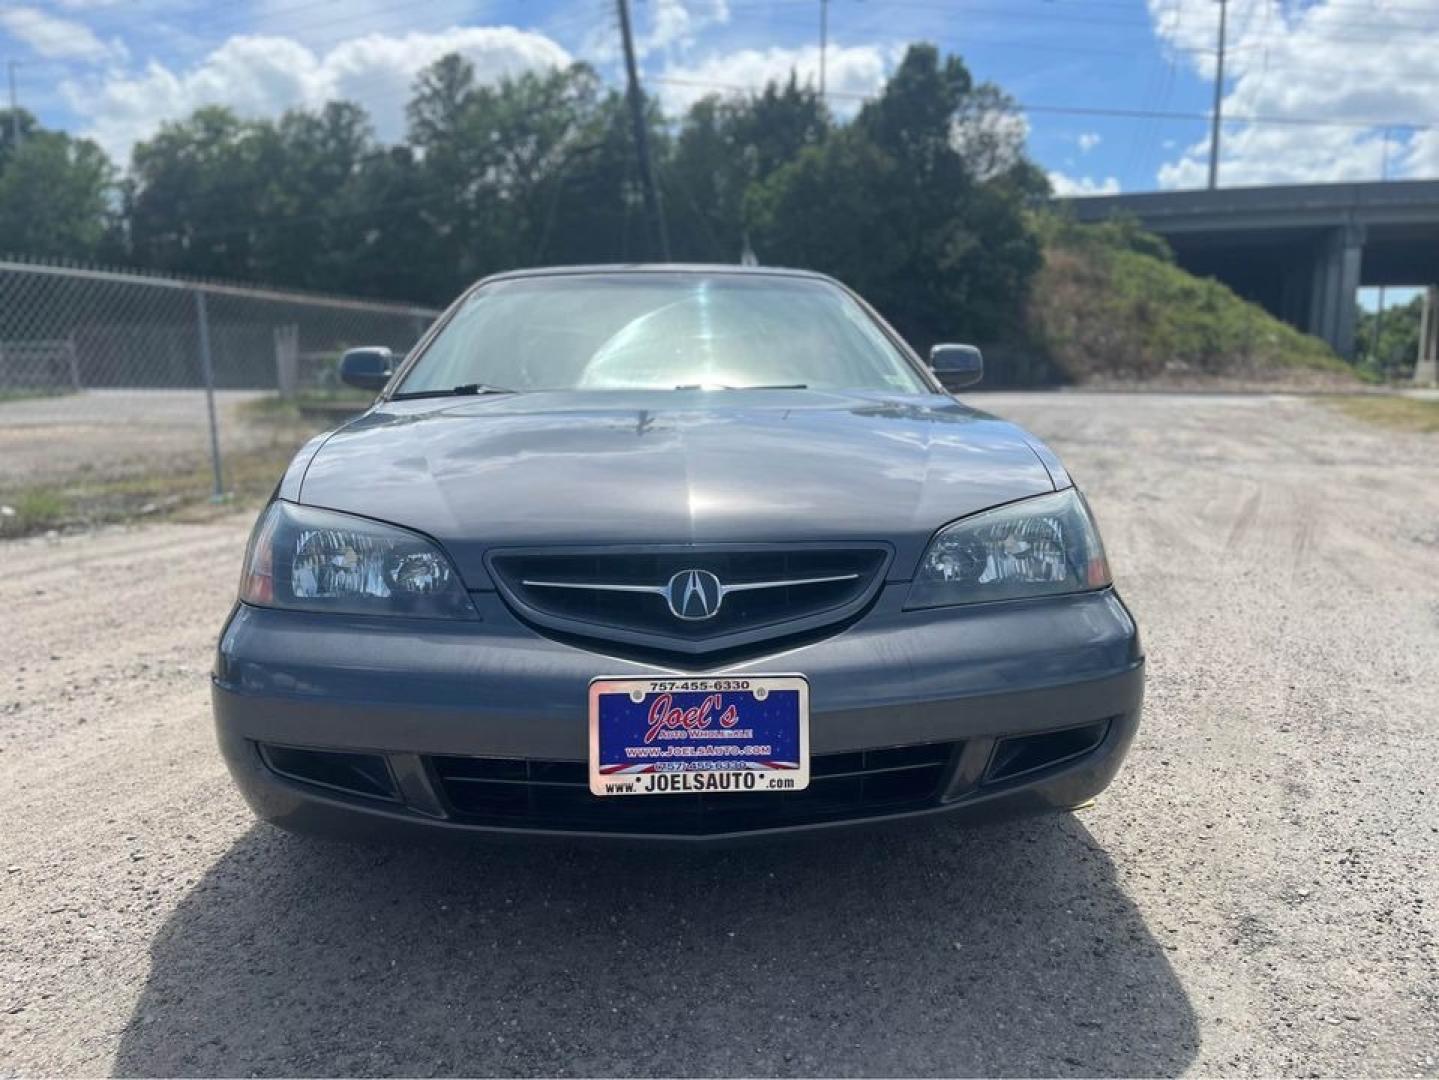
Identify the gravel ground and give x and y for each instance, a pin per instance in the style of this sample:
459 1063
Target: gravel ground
1256 894
116 433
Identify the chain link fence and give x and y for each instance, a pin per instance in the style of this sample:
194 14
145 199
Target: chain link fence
115 375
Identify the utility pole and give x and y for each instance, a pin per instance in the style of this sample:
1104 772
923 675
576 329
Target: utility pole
1218 102
14 106
653 210
823 41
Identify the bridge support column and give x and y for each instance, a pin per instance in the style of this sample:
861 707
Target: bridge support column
1294 295
1426 369
1335 287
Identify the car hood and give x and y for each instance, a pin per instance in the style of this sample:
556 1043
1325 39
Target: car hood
682 467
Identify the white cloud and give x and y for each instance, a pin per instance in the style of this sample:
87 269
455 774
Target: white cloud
56 38
660 26
850 72
1325 60
1067 186
318 25
263 76
991 140
1416 156
1088 140
1255 154
675 23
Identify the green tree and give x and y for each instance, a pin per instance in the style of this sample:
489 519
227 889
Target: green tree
56 193
919 201
9 121
724 147
1392 353
304 201
194 193
386 247
894 205
310 194
529 170
989 133
594 211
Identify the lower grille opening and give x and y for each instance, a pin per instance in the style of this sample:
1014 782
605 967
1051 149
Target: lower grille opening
354 774
1023 754
523 793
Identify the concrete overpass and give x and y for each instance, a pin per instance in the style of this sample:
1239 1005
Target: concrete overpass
1300 251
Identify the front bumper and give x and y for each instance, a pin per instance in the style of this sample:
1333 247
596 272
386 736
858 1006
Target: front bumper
418 693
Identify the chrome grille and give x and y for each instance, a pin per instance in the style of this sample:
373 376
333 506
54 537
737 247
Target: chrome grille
756 593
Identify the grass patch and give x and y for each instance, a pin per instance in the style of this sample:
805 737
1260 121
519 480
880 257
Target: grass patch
28 393
32 510
1399 413
273 408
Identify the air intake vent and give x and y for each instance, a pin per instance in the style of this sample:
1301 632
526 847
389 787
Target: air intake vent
555 794
353 774
1026 754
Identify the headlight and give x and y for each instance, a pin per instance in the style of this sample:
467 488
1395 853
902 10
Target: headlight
1035 547
319 560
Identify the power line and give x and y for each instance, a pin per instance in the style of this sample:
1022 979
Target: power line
406 10
1049 15
1046 7
1095 110
1329 31
1031 45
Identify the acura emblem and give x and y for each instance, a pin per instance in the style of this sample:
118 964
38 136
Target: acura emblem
694 595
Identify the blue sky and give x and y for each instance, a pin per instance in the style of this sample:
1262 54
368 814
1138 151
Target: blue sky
114 69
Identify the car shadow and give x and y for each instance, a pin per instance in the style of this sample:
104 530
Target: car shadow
1005 950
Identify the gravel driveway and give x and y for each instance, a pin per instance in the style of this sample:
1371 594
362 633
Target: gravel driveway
1258 893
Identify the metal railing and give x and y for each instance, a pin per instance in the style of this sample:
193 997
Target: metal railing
132 349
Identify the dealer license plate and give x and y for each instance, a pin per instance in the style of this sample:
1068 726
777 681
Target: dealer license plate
712 736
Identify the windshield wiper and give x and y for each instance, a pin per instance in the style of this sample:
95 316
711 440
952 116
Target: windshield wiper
463 390
756 386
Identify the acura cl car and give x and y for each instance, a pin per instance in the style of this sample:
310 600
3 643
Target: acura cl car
671 553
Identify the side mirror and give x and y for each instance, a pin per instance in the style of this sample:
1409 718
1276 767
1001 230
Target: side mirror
368 368
956 366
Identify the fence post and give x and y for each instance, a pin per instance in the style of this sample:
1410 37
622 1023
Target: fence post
207 370
74 362
287 360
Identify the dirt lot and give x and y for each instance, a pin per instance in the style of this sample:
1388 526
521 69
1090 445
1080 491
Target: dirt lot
114 433
1258 893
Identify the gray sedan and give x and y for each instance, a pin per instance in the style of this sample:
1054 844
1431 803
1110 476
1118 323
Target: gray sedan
678 554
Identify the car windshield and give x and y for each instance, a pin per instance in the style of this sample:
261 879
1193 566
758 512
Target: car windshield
661 331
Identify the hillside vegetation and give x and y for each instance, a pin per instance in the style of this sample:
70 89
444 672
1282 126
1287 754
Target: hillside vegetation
1109 306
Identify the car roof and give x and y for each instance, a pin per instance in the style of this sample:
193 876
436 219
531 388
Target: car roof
607 269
